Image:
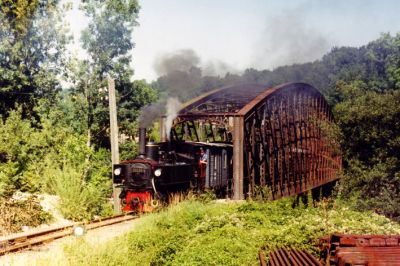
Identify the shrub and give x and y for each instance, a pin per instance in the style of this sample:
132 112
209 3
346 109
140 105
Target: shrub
372 188
79 200
196 233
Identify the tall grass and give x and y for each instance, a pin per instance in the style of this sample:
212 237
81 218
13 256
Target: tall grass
79 200
198 233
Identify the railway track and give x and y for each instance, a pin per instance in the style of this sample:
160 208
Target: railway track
21 241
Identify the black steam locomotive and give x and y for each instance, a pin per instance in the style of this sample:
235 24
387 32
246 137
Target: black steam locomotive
172 166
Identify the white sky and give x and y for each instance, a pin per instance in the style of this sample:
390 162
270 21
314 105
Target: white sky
254 33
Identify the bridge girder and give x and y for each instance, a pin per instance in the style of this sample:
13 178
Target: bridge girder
280 136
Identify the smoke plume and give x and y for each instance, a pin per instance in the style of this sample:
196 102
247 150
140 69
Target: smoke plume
288 40
173 106
151 112
177 61
181 78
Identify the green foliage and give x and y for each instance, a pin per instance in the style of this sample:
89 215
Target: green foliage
372 188
108 41
207 196
128 150
79 200
108 37
131 99
18 152
369 121
261 193
154 134
195 233
51 156
32 42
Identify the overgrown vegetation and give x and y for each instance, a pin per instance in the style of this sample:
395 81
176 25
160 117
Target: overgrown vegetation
57 141
371 126
198 233
16 213
51 157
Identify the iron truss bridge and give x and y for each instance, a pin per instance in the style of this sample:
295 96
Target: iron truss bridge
281 136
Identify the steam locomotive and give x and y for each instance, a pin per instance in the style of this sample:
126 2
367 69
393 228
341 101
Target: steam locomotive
171 166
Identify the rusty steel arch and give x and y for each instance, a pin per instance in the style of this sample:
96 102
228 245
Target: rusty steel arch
287 142
280 135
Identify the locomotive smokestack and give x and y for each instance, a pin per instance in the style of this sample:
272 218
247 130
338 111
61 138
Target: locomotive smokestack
142 142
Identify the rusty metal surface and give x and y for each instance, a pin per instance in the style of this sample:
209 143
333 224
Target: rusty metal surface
371 256
238 163
346 249
286 147
289 257
226 100
285 142
346 240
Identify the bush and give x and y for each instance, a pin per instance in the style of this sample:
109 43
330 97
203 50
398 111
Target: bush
371 148
372 188
79 199
195 233
49 156
18 148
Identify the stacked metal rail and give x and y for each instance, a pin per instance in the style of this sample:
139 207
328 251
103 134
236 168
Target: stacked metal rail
288 257
371 250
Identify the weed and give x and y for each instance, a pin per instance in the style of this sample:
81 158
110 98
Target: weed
198 233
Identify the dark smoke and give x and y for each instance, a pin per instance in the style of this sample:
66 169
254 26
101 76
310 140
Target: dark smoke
150 113
288 40
177 61
183 74
217 68
180 73
181 78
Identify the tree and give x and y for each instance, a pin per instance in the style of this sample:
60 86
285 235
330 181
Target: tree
108 43
370 123
32 44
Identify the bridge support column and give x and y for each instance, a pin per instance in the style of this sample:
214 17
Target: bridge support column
238 136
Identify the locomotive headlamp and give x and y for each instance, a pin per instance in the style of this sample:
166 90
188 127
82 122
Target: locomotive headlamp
157 172
117 171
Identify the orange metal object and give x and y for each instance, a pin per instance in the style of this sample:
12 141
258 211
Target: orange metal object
289 257
138 202
371 250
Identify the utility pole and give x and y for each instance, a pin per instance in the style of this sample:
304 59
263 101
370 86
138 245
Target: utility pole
114 140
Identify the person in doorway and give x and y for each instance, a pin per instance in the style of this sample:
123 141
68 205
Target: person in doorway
202 168
203 156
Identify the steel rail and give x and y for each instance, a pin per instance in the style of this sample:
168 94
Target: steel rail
20 241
